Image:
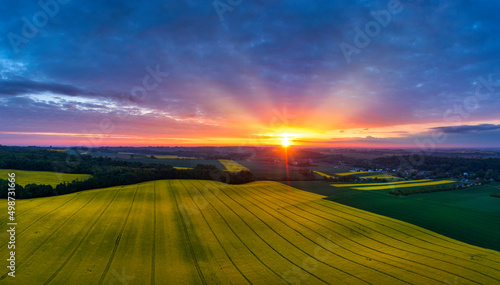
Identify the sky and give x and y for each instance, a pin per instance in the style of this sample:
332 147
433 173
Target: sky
239 72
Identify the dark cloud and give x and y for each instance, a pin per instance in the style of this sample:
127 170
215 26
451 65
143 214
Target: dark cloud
262 56
467 128
26 86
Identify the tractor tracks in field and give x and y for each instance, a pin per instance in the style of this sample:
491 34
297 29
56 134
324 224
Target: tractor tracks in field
81 240
331 213
340 246
186 233
239 238
271 247
328 205
314 242
44 215
19 213
117 242
217 238
31 253
153 253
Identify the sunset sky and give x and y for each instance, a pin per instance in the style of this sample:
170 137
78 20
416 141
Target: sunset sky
191 73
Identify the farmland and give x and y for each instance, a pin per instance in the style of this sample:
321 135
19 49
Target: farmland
361 174
191 231
24 177
232 166
404 185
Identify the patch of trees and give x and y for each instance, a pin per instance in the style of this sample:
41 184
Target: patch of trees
439 164
308 174
495 195
123 176
106 172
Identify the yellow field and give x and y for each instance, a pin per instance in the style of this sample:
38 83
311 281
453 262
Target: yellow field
233 166
431 183
205 232
170 157
179 167
351 173
381 183
380 176
51 149
24 177
323 174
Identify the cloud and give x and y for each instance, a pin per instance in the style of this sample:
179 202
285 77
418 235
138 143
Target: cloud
26 86
264 56
467 128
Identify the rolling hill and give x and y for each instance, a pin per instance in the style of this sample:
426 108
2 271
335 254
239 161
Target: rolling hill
205 232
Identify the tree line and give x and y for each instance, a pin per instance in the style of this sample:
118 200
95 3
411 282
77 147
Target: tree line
105 172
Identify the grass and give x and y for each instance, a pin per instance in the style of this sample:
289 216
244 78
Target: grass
25 177
233 166
469 215
129 153
205 232
405 185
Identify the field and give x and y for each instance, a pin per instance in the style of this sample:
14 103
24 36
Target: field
205 232
380 176
357 173
361 174
469 215
233 166
264 170
323 174
404 185
24 177
377 184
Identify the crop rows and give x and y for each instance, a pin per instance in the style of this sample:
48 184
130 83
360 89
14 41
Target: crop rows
206 232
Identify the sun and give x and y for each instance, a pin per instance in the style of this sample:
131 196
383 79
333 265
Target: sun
285 142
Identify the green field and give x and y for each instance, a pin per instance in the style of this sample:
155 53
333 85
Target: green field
24 177
205 232
469 215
